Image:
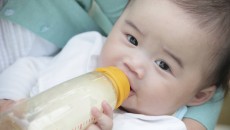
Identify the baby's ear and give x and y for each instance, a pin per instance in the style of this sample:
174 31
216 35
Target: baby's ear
203 96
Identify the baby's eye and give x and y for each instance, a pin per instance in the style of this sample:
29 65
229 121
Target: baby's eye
132 40
163 65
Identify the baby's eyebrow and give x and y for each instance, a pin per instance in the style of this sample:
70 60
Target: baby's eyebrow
130 23
178 60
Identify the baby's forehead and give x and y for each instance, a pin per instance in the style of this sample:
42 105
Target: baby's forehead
185 32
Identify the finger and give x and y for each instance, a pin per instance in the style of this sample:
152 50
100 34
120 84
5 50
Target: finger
93 127
107 109
103 121
6 104
3 101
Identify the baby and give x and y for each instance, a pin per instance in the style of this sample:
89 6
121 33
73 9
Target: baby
173 57
174 52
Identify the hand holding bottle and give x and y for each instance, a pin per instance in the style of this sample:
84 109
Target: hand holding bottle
103 119
5 104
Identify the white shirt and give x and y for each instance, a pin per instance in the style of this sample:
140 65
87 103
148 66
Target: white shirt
130 121
32 75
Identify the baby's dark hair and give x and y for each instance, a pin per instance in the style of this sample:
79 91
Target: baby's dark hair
214 16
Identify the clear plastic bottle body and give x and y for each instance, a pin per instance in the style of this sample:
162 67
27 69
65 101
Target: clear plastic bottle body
67 106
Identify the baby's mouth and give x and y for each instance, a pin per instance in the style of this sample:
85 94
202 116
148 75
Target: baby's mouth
131 91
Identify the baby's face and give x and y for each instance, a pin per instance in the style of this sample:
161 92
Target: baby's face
163 53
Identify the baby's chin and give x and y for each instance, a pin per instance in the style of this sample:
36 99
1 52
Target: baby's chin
128 110
125 109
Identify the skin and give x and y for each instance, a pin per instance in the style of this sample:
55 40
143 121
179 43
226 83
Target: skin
158 57
153 43
5 104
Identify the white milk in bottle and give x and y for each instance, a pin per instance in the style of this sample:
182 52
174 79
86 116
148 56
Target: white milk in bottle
67 106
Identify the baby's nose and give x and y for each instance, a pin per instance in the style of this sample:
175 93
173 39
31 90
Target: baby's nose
135 67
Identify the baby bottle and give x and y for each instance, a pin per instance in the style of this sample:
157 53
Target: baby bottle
67 106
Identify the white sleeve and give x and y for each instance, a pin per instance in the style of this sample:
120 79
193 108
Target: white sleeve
17 80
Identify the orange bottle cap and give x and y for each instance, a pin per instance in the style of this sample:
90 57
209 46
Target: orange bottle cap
119 81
